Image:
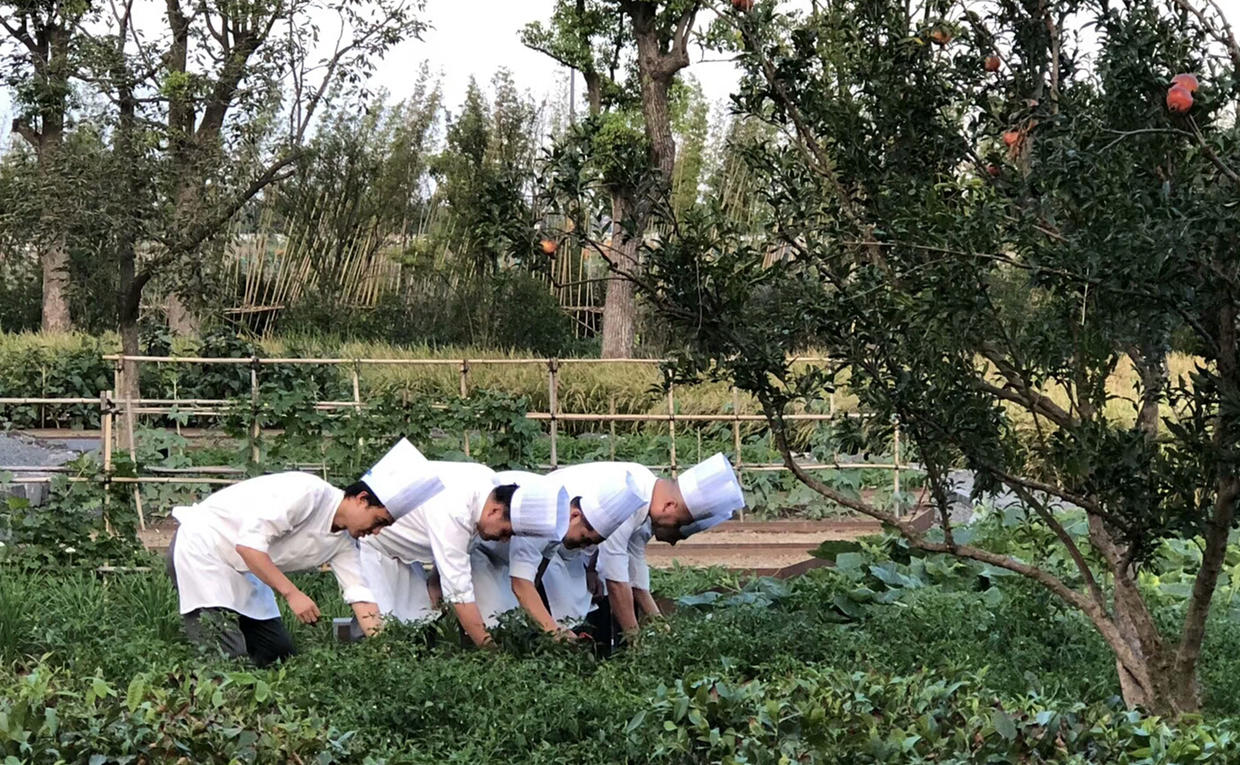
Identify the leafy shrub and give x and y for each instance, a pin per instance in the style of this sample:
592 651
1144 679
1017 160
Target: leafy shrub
198 716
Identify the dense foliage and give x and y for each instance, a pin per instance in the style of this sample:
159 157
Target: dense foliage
926 660
980 214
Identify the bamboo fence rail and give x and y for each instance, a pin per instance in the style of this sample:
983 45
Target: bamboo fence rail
111 407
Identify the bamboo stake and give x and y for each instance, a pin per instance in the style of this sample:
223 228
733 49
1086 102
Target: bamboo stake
553 391
465 394
671 425
254 402
895 471
611 408
133 457
105 425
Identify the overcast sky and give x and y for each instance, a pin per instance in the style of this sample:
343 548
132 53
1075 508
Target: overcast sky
476 37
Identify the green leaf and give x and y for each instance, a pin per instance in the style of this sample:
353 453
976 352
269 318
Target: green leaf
1004 725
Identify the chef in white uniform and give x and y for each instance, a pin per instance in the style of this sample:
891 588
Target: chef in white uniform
542 502
703 496
596 509
442 531
232 549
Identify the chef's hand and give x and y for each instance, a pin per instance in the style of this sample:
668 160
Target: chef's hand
303 607
565 635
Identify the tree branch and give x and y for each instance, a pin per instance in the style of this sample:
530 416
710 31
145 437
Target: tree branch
21 34
1066 540
1227 494
196 235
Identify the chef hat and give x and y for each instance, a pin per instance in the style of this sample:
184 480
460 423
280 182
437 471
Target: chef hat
710 488
505 477
709 522
403 479
539 509
612 503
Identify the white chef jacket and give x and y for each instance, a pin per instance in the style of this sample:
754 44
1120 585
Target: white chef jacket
400 588
492 582
441 530
564 581
286 515
622 556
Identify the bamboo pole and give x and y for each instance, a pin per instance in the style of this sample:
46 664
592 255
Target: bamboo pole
133 458
895 471
464 395
671 425
611 409
255 431
105 425
736 437
553 391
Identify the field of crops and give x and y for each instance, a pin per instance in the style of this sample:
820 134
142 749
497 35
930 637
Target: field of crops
876 660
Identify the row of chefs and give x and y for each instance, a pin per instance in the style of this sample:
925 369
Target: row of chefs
412 531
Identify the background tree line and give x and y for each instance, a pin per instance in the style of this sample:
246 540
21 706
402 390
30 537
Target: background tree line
199 171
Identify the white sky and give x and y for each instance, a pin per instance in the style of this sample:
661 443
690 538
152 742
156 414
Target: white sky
479 36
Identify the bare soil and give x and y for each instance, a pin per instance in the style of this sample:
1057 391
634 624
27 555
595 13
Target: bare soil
757 545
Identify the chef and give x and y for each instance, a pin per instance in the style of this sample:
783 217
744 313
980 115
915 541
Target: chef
496 590
559 562
442 531
703 496
234 548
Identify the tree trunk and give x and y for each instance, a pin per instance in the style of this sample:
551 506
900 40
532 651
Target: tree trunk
181 321
620 307
55 262
1155 684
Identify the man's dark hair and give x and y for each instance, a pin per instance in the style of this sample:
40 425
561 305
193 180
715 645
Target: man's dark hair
503 495
361 487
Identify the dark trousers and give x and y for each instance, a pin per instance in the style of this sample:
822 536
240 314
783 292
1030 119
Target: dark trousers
265 641
601 626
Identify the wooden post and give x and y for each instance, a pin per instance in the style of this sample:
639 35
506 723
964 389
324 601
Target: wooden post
736 438
553 392
357 389
105 436
895 473
465 394
255 430
176 420
671 425
611 408
133 458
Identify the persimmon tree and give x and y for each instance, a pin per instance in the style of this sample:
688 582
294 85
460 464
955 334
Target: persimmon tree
1000 258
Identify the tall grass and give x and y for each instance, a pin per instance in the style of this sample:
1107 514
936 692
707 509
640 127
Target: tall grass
597 387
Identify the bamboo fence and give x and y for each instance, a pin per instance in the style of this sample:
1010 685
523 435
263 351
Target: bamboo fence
115 411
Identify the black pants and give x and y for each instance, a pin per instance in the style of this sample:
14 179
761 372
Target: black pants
265 641
601 626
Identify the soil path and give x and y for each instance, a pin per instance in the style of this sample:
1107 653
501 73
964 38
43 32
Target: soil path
751 545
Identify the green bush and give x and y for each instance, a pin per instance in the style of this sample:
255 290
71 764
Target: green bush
884 658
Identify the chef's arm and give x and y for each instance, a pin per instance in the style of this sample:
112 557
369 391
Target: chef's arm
528 597
368 617
260 565
645 601
471 620
620 595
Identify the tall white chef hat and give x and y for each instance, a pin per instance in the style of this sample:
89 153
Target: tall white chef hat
504 477
539 508
403 479
710 488
612 502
